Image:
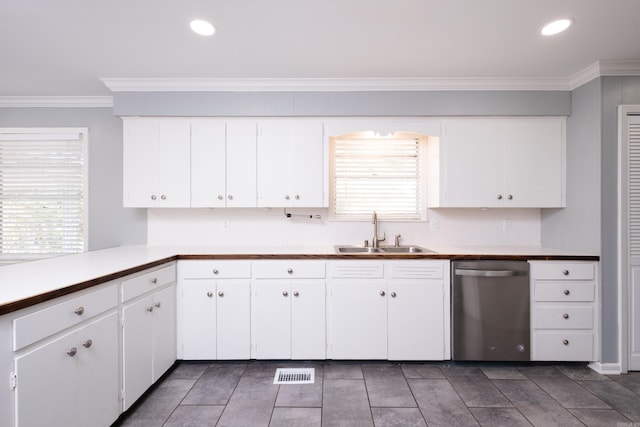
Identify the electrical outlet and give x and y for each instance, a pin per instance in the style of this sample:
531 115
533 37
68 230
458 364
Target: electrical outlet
225 225
434 225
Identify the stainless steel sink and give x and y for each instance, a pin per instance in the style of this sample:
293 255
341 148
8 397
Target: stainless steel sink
346 249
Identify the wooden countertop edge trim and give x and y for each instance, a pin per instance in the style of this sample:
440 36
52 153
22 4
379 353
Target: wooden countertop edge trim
47 296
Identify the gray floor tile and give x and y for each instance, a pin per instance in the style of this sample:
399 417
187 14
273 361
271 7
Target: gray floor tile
188 371
540 371
569 393
398 417
502 373
602 417
345 404
440 404
477 391
301 395
262 369
581 373
539 408
194 416
157 406
387 387
500 417
216 385
630 381
348 371
450 370
618 397
296 417
251 403
421 370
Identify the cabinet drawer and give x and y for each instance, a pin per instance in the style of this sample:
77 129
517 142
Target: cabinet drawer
563 346
564 291
289 269
564 317
147 282
357 270
46 322
196 269
417 270
563 270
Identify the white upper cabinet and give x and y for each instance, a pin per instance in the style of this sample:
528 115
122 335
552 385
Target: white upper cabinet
291 167
500 163
156 163
223 164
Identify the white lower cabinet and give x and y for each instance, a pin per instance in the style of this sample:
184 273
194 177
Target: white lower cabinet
72 380
149 341
388 310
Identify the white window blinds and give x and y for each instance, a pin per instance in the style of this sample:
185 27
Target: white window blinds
43 200
381 174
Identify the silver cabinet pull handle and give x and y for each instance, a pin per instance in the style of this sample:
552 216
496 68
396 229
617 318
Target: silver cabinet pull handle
565 342
220 197
567 291
393 294
382 293
72 351
565 316
158 304
153 197
230 197
163 197
79 311
296 293
499 197
510 197
565 272
215 271
220 294
209 294
150 308
87 343
287 197
290 270
154 280
297 197
285 293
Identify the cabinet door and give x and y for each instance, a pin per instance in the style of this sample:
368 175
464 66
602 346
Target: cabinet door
307 165
473 164
416 320
140 163
97 372
358 319
136 347
308 337
274 164
198 319
46 391
208 168
174 162
534 163
272 319
164 331
241 164
233 319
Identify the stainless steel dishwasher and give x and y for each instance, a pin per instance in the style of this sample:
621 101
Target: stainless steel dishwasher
490 310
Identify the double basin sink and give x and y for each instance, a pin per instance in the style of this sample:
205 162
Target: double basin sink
347 249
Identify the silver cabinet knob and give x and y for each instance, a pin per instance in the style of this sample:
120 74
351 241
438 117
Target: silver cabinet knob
565 342
296 293
287 197
230 197
215 271
297 197
499 196
150 308
72 351
566 292
153 197
220 294
565 272
209 294
382 293
158 304
290 270
565 316
87 343
510 197
393 294
154 280
79 311
163 197
220 197
285 293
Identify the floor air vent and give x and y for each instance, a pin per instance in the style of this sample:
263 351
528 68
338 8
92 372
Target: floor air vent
294 376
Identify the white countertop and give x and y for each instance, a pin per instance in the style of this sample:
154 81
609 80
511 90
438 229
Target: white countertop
30 279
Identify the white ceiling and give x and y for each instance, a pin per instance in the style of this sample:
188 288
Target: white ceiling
64 47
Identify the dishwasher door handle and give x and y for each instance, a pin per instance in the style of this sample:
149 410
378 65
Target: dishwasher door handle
487 273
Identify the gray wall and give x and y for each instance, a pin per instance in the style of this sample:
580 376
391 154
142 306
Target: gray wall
109 223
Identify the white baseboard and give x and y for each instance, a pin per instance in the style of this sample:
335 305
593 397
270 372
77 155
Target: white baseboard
606 368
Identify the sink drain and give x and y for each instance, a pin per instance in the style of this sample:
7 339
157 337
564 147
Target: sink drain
294 376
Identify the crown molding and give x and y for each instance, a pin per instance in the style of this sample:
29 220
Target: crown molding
56 101
329 84
605 68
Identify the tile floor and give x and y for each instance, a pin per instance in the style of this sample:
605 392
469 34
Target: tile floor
384 394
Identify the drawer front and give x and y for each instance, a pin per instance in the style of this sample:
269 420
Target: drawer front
564 317
563 346
349 270
417 270
46 322
560 292
196 269
289 270
147 282
563 270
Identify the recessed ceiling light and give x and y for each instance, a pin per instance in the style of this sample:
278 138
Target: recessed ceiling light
556 27
201 27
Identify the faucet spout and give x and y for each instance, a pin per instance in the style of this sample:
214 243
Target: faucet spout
376 240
